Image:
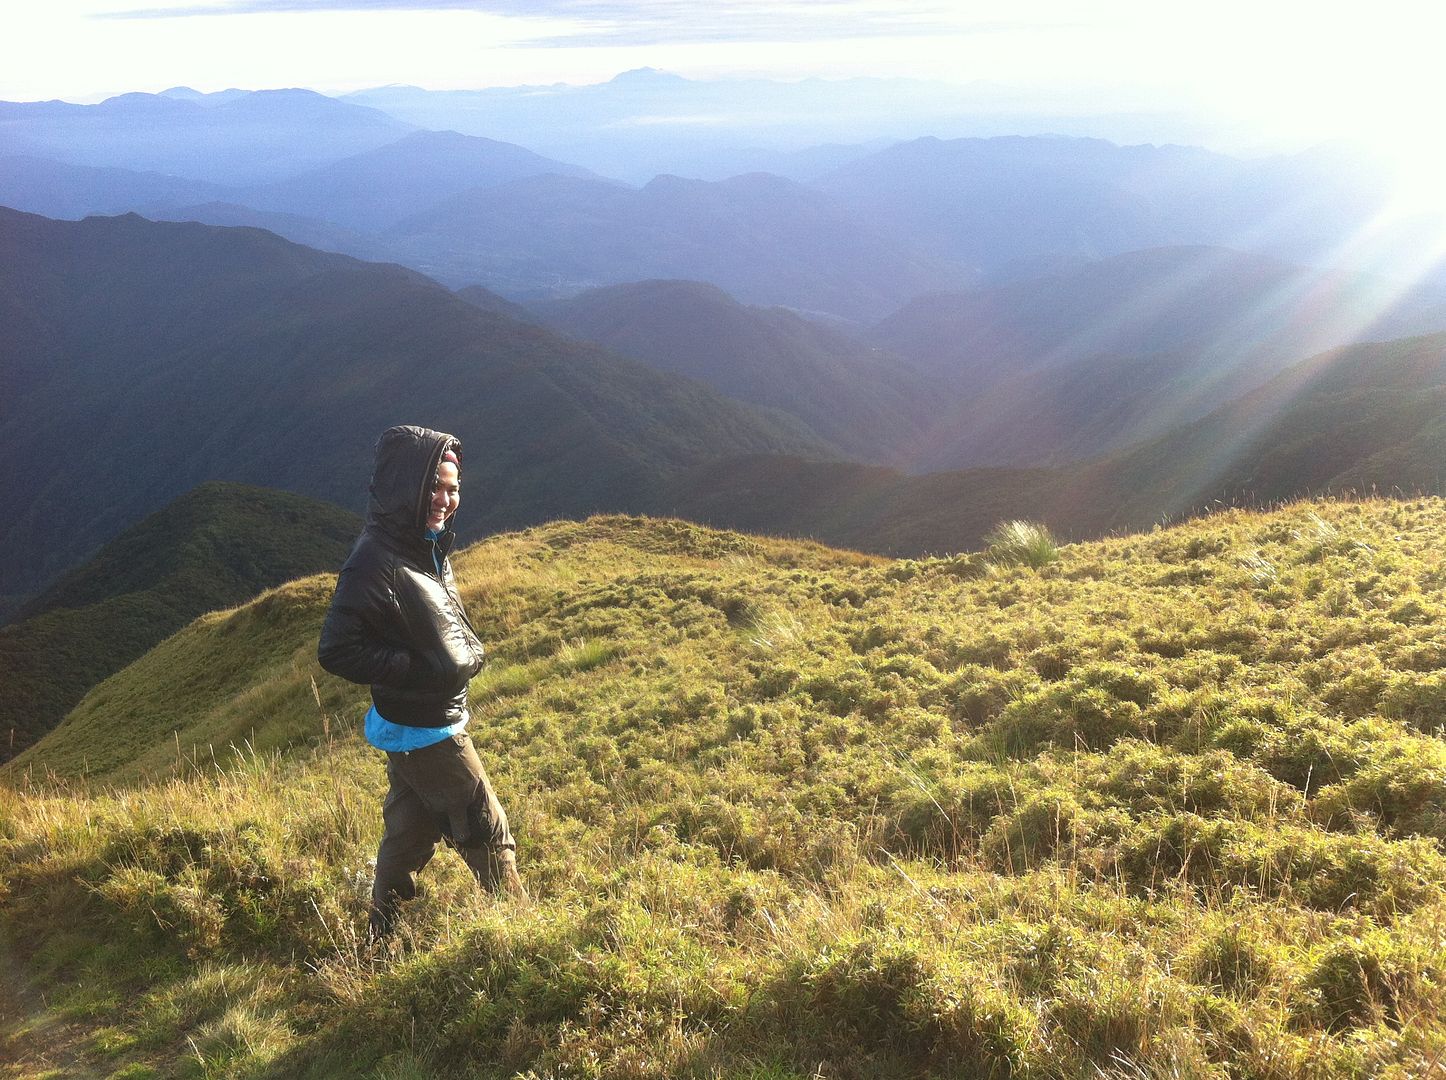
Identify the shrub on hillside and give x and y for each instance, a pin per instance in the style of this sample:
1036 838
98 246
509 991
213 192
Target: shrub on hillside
1418 700
1231 957
1021 543
890 997
1401 789
976 694
1320 870
1048 824
1069 714
1144 777
947 817
1349 983
1121 682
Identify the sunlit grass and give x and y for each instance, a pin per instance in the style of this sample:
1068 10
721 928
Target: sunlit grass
1021 543
786 813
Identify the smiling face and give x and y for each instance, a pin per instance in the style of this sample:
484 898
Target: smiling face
446 496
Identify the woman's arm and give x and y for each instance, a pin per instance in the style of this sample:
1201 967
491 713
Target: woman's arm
350 646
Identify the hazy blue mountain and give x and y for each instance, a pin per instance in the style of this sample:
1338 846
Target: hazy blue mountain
987 202
1010 206
486 300
802 165
764 239
1363 418
323 235
865 401
1079 363
646 122
244 138
375 189
143 358
61 190
217 97
1153 300
706 161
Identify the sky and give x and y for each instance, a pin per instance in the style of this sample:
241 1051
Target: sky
1272 73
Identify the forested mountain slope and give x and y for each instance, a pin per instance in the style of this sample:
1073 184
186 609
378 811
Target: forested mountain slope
1358 419
862 399
142 358
1086 361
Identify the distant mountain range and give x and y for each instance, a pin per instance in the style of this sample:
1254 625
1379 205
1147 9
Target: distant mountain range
213 547
473 211
374 190
875 225
228 138
143 358
1086 361
645 122
190 353
868 402
764 239
59 189
1044 372
1367 418
322 235
1015 207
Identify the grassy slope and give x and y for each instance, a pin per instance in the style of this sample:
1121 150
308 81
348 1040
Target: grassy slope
1173 805
213 547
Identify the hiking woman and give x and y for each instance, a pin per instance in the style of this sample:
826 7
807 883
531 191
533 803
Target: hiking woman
397 623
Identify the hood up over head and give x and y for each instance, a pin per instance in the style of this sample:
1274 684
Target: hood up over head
403 478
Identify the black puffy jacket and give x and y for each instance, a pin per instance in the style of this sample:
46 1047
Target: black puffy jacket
396 620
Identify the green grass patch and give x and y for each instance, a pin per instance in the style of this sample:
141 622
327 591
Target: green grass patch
788 812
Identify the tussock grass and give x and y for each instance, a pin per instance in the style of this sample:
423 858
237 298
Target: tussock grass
790 812
1021 543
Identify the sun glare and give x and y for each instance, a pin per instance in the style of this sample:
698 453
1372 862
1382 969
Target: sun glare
1417 173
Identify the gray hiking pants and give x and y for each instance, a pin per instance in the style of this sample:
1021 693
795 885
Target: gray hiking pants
440 792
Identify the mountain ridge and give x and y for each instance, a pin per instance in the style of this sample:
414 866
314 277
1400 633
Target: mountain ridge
1353 420
213 547
1170 796
871 405
240 349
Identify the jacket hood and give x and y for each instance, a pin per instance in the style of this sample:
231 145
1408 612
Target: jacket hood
403 477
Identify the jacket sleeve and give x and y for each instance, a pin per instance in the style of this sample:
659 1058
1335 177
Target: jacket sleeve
351 644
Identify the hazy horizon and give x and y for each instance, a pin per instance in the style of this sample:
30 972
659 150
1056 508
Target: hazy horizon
1268 76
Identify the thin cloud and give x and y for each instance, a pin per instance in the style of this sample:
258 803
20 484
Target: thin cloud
645 22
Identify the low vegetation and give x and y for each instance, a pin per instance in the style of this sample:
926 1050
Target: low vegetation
1021 543
1171 804
215 546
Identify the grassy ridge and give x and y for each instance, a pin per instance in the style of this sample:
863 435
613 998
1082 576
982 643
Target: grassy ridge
1171 804
215 546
